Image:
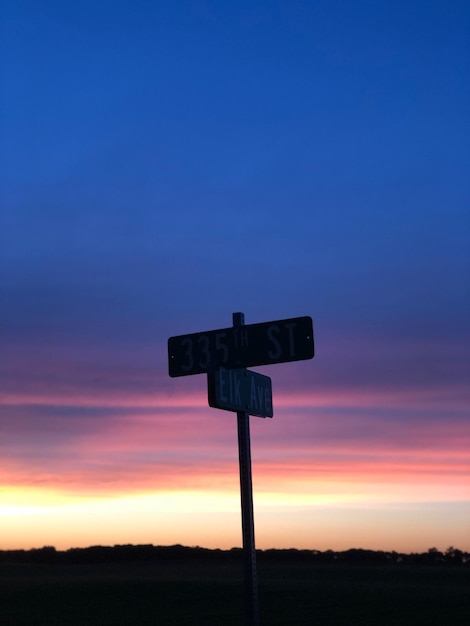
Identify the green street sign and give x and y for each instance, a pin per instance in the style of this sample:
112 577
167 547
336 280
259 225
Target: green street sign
241 346
240 390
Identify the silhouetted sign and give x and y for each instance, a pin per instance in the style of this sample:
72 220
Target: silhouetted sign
241 346
240 390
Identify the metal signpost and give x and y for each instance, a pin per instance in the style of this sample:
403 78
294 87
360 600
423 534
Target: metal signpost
248 518
224 355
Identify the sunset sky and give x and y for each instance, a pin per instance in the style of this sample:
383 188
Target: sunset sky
164 164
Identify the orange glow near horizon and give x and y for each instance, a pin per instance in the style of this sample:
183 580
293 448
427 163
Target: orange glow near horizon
328 471
288 500
212 519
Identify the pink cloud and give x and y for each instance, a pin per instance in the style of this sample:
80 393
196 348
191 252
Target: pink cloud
84 418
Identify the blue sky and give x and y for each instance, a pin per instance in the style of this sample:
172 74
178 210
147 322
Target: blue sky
164 164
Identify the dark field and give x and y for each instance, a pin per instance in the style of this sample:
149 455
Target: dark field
209 592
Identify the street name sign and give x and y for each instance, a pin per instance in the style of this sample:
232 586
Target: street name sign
240 390
237 347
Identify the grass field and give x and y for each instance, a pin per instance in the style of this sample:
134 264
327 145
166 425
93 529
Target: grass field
209 592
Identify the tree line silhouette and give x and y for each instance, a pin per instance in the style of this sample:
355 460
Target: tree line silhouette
149 552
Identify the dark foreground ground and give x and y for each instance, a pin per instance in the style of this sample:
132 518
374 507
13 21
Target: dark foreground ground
209 592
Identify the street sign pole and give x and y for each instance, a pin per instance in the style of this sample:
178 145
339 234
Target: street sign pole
246 492
224 354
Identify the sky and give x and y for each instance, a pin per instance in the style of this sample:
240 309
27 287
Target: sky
166 164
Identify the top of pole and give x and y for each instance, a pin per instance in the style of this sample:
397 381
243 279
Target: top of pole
238 319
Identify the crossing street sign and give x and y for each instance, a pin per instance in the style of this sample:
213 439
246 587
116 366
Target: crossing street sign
240 390
224 355
241 346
